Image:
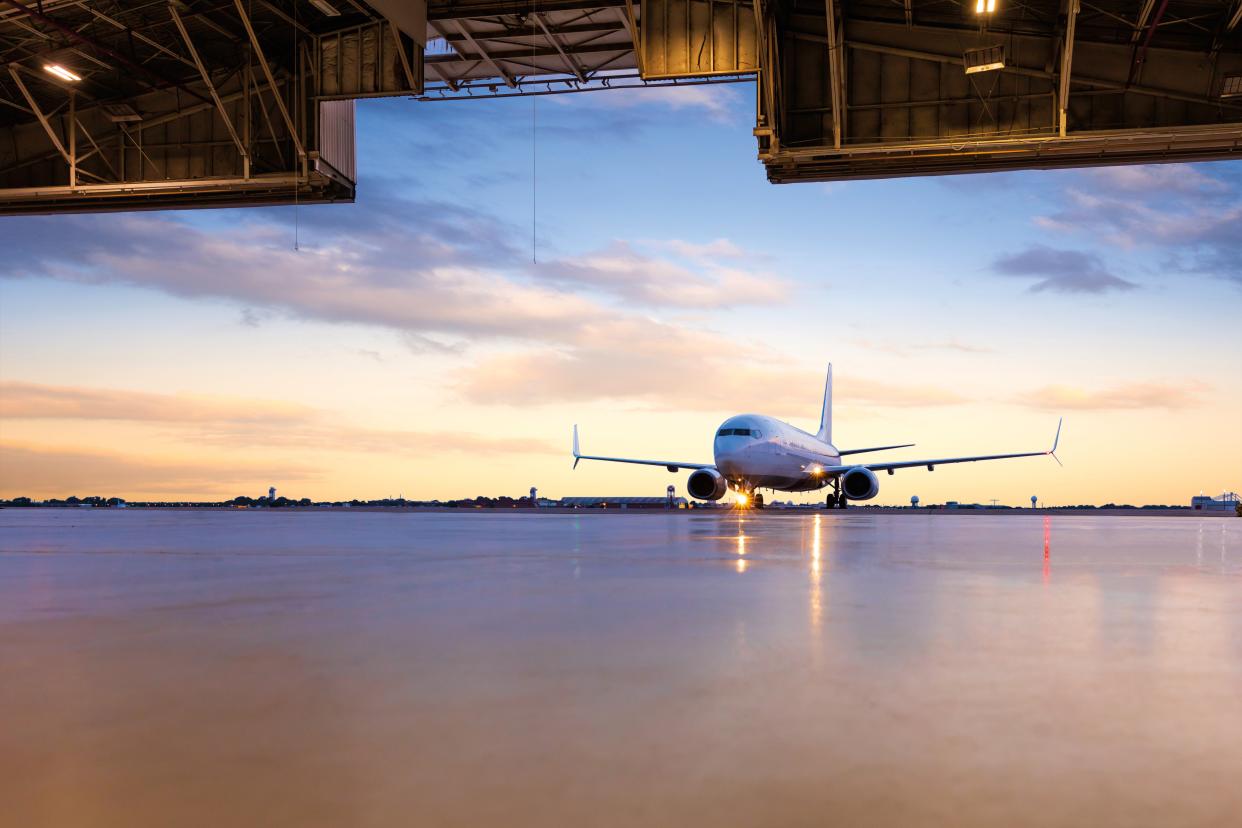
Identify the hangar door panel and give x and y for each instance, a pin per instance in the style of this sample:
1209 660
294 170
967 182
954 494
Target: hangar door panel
697 38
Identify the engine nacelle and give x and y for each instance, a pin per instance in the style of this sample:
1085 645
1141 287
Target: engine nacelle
860 484
707 484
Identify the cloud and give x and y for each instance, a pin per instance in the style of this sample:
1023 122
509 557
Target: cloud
427 269
1130 396
341 438
1061 271
1146 180
247 423
720 102
902 349
698 280
42 472
419 283
1189 212
670 368
711 251
25 400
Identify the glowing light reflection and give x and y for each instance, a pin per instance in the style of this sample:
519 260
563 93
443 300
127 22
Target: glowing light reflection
817 589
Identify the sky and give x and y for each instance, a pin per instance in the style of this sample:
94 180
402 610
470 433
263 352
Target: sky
618 260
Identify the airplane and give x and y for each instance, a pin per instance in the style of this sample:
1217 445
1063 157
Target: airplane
757 452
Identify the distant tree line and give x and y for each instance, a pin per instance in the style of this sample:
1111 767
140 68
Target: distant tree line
243 501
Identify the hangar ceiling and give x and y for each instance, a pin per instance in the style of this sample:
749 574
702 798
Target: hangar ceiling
135 104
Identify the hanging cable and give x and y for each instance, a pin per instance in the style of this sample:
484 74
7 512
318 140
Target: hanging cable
534 138
294 84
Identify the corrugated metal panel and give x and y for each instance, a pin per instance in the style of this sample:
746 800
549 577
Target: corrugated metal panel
697 38
372 60
336 137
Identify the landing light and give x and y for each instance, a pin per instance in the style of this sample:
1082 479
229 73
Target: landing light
985 6
60 72
742 499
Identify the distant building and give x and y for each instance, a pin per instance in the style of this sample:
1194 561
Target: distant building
271 493
1227 502
621 503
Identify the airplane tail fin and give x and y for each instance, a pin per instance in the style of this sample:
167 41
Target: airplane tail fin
577 453
825 414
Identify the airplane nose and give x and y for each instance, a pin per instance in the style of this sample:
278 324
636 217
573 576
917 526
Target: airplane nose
728 459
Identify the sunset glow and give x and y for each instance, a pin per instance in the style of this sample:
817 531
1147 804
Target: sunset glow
410 345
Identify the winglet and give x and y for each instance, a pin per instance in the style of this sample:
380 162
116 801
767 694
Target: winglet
577 454
1055 440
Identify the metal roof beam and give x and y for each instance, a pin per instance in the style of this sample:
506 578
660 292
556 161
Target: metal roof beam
574 68
1067 62
1141 23
100 48
215 96
271 80
474 44
518 55
137 35
43 121
496 8
594 28
1099 83
836 72
630 20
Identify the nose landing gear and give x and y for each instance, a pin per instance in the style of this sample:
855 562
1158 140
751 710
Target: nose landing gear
751 496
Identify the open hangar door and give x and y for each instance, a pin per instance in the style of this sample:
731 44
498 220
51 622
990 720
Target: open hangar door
121 105
117 104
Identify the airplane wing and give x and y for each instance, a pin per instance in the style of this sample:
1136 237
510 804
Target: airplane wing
873 448
931 464
671 465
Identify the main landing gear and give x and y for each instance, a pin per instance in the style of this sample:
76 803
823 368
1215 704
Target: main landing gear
836 500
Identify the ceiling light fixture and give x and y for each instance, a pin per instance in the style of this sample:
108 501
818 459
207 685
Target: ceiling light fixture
986 59
60 72
329 10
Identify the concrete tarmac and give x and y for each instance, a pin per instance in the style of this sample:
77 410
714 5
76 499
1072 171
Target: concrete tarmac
203 668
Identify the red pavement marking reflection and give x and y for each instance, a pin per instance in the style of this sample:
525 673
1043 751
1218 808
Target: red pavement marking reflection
1047 547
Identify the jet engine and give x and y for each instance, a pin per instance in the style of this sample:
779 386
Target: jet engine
707 484
860 483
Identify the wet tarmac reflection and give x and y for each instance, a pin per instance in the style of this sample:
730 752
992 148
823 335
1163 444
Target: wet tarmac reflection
212 668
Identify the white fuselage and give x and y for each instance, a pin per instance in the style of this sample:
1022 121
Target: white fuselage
753 451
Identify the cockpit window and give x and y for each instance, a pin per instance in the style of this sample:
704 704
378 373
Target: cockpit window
736 432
